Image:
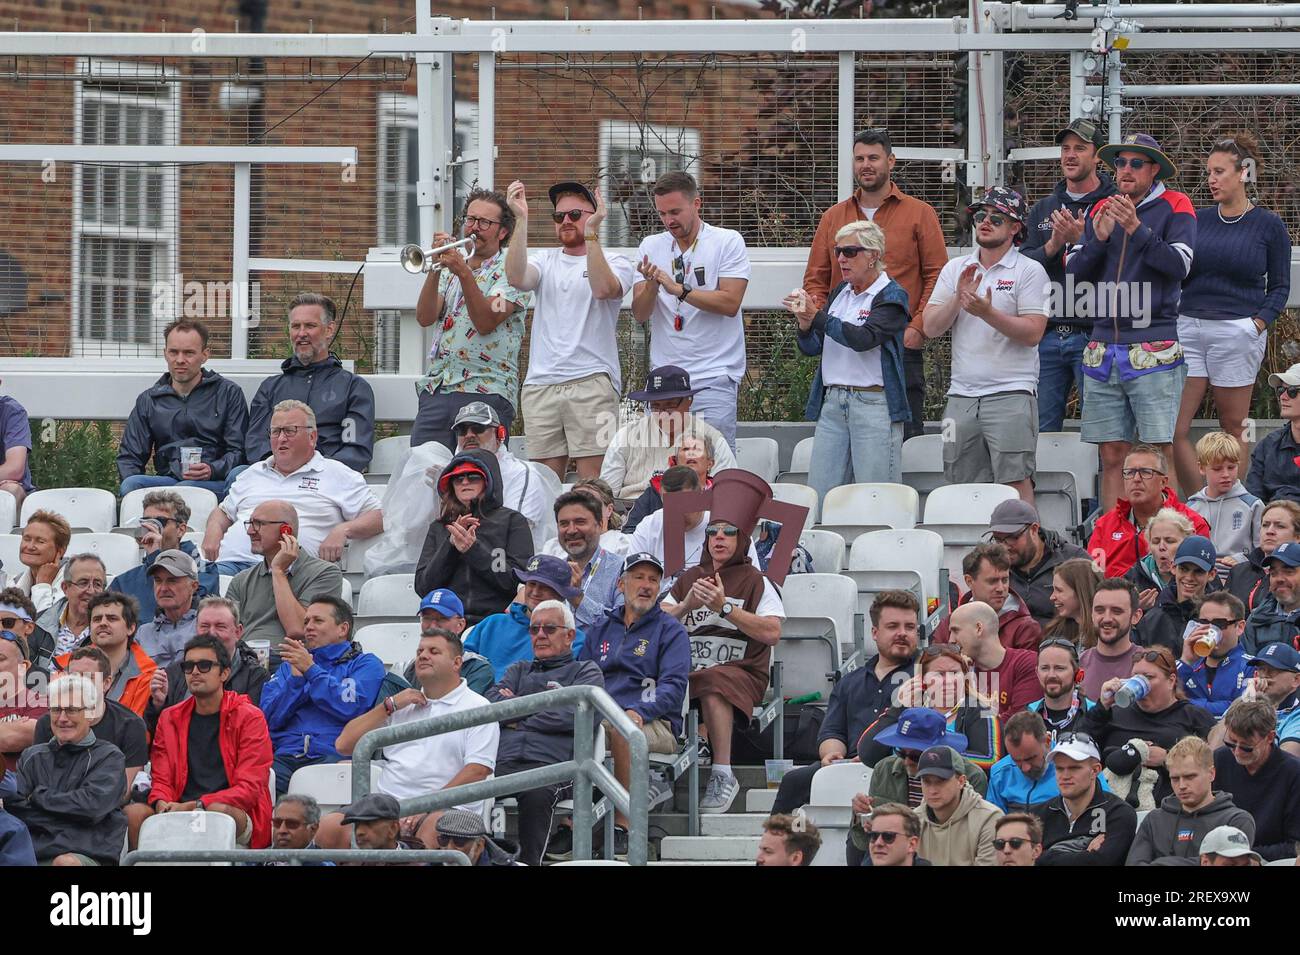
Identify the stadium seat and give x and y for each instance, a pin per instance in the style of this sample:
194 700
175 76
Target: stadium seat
800 494
201 501
830 807
518 445
592 862
966 503
800 462
820 596
330 784
826 549
118 552
193 831
1067 451
854 509
346 593
223 583
394 643
9 545
899 560
88 509
1290 862
8 513
388 453
392 595
762 456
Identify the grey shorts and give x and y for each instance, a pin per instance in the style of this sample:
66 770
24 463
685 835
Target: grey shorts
990 440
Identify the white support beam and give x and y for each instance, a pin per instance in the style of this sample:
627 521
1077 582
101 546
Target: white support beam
929 154
343 46
845 122
1159 11
1034 153
275 155
487 119
314 266
240 320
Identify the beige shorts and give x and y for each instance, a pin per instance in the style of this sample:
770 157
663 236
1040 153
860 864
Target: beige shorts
575 418
658 734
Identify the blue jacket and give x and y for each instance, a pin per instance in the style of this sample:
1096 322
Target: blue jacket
214 416
1275 467
344 404
1012 791
646 667
138 584
306 713
1269 623
883 330
503 639
15 842
1230 680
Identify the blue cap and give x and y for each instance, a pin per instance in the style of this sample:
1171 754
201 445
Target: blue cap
642 557
921 728
1279 656
1288 553
444 602
1196 550
551 571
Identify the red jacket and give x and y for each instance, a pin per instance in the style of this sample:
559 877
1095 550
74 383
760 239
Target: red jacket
1115 543
1017 629
245 751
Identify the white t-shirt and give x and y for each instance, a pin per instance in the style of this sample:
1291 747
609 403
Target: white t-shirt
649 538
869 213
424 766
709 345
573 332
324 493
984 361
842 365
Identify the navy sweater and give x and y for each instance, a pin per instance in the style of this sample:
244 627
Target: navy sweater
1242 270
1272 796
1156 259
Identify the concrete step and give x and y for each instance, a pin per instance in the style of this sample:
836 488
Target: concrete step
709 848
733 824
759 800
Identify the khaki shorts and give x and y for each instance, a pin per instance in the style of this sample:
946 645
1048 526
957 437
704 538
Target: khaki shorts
575 418
658 734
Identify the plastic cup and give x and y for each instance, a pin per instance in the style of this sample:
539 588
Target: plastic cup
191 457
776 770
263 650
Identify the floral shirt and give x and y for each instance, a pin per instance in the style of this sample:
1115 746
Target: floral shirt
462 359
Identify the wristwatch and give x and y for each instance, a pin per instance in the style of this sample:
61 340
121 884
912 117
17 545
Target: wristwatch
726 610
686 290
591 237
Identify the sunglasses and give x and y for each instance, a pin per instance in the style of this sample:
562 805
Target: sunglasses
994 219
938 650
849 251
8 623
1291 391
203 666
1063 644
290 824
573 215
913 754
886 836
550 629
1145 474
724 530
1156 657
458 841
465 478
1220 622
464 429
1120 163
1239 747
1015 842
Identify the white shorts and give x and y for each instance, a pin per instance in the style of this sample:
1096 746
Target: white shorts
1228 351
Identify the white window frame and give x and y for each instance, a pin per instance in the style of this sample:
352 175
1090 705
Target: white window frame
623 135
168 234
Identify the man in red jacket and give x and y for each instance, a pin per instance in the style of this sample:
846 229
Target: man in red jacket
212 752
987 571
1117 542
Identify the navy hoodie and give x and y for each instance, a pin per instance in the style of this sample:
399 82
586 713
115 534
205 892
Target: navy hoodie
1039 229
645 667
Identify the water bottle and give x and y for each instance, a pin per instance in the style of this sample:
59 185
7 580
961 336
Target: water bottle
1131 690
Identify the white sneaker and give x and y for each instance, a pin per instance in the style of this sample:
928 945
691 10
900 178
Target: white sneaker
720 794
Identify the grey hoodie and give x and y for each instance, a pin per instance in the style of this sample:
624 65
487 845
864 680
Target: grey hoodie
1171 835
1234 519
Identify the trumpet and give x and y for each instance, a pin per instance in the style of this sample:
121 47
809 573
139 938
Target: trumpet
416 260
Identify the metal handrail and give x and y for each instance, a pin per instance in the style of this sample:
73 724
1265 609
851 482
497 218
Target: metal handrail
298 856
583 770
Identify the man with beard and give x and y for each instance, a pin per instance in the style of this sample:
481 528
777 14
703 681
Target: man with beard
1056 223
861 696
987 571
1115 612
572 389
1063 702
1277 619
595 570
995 301
1035 554
915 251
1277 678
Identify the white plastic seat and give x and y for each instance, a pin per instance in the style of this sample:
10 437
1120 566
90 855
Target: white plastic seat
388 453
345 592
85 508
354 554
1067 451
223 583
903 550
837 784
759 455
118 552
392 595
966 503
591 862
330 784
193 831
819 624
394 643
9 547
1290 862
200 500
822 595
826 548
8 513
854 509
800 462
800 494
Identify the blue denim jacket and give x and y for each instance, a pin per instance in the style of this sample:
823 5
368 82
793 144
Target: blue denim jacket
891 348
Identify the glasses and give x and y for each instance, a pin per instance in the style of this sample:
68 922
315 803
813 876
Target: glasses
464 429
939 649
465 478
1120 162
1081 738
1062 643
66 710
289 431
8 623
444 840
726 530
550 629
203 666
256 523
290 824
1145 474
913 754
1015 842
994 218
886 836
1004 538
573 215
480 221
87 583
1220 622
849 251
1291 391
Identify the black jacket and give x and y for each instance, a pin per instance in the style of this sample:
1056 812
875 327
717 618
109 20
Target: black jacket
1113 728
247 676
1066 843
1271 796
71 797
214 416
1034 584
1039 229
1246 580
645 505
40 647
334 394
544 738
485 583
1274 474
1163 624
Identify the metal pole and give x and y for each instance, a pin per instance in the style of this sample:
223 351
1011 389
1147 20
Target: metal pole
638 797
239 316
487 119
1181 11
778 727
693 783
584 737
1114 103
1210 89
298 856
1077 83
846 124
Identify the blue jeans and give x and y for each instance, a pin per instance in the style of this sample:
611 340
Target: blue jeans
716 404
855 442
1060 365
219 488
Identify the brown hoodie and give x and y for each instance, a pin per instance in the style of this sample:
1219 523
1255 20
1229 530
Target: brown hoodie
966 838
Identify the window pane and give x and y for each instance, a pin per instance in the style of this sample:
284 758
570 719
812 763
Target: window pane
134 126
154 200
118 324
112 125
143 315
131 200
97 327
90 131
155 127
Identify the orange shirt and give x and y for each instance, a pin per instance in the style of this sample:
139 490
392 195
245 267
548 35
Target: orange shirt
135 692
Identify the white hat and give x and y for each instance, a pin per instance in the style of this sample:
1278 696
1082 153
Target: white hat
1228 841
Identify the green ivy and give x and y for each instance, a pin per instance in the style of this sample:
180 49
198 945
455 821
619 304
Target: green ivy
75 454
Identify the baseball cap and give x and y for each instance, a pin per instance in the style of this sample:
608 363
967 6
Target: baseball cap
570 185
476 412
1003 199
442 601
551 571
1290 377
643 557
1198 551
461 824
1086 129
1077 746
920 728
372 807
177 563
1279 656
1011 517
1229 841
1288 553
940 761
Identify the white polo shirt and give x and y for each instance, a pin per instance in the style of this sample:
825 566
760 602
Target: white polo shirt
324 493
573 332
842 365
710 345
984 361
424 766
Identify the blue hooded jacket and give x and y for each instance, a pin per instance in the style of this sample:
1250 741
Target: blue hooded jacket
15 841
646 667
306 713
1230 679
503 639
